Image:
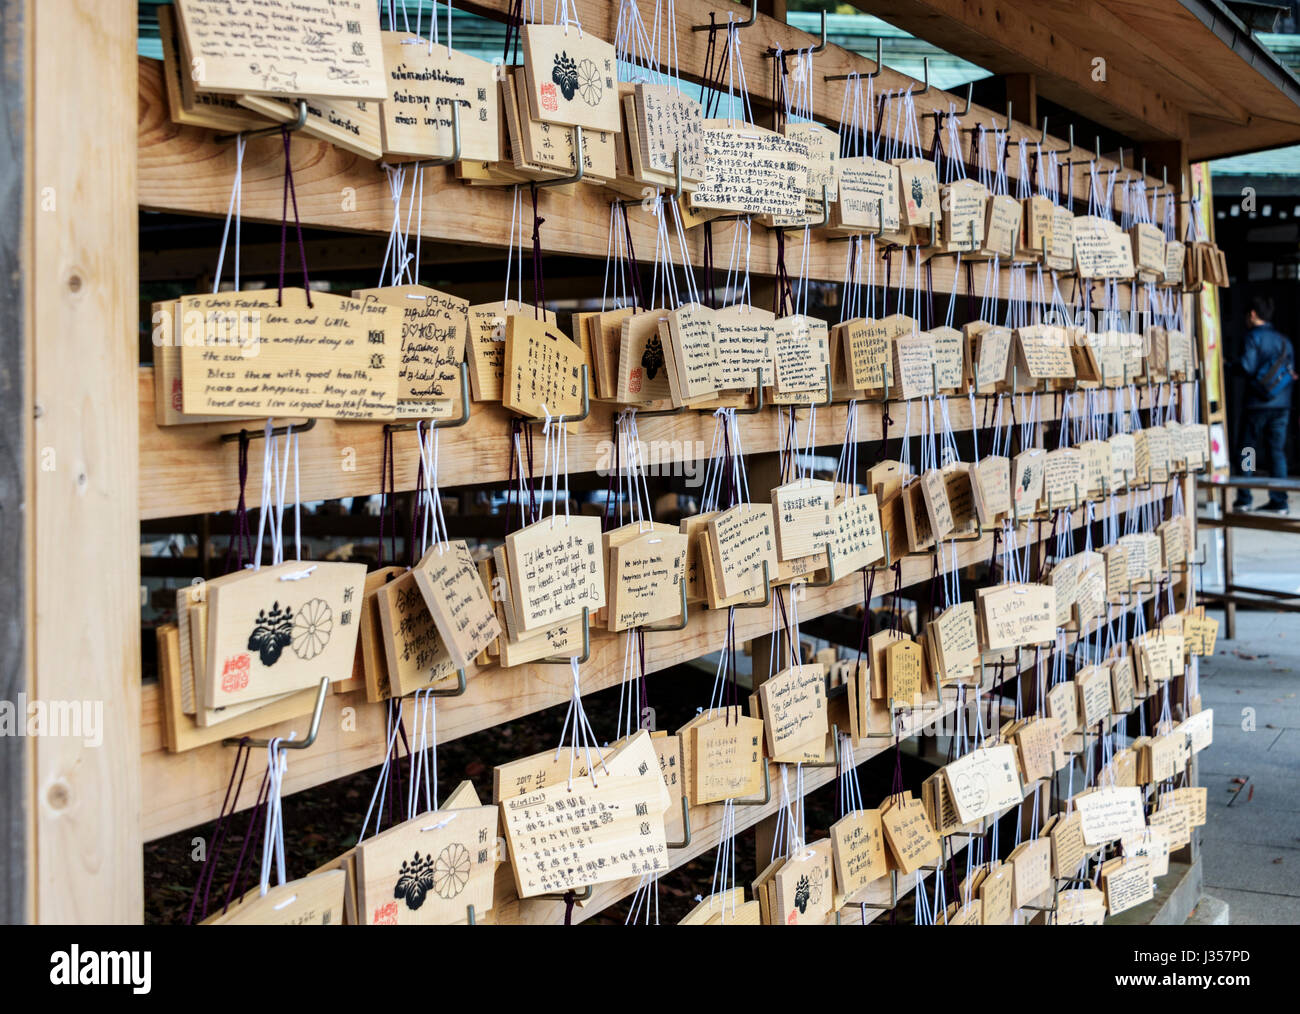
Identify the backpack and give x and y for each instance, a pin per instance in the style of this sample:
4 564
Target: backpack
1278 377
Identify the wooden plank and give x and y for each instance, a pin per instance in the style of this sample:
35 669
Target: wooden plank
187 470
182 790
15 459
85 514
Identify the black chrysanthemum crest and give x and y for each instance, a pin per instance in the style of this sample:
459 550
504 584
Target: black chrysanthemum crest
565 74
414 881
272 632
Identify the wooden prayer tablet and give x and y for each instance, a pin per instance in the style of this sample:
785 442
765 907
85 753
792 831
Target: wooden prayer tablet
432 340
322 48
857 852
1101 250
245 356
645 575
868 353
315 900
868 192
1148 248
642 374
801 353
956 643
1031 871
803 887
751 169
556 569
794 714
669 122
1122 686
983 782
428 870
744 340
1085 906
190 107
1111 811
990 356
1002 226
741 539
486 348
1017 614
1064 478
725 756
918 187
458 603
415 654
1027 480
541 372
1093 687
425 82
571 77
991 488
904 673
1151 844
1068 846
914 366
909 835
1043 353
964 203
610 830
803 514
281 628
1126 883
857 540
1038 221
823 145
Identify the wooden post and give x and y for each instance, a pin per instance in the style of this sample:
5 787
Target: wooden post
1022 93
81 291
15 479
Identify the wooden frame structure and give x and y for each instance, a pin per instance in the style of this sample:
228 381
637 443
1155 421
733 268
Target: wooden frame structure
85 463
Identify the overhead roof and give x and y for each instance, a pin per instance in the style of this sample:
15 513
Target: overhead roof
1171 68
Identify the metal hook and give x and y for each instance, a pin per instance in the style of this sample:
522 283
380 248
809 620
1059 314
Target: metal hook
442 424
579 156
767 790
686 826
586 644
758 391
834 762
767 593
586 403
753 16
298 123
461 685
563 895
941 114
673 626
292 744
277 431
880 66
820 47
429 163
831 576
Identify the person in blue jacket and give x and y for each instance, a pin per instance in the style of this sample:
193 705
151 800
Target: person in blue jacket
1268 364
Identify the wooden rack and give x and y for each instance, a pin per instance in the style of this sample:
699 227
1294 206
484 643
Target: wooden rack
103 135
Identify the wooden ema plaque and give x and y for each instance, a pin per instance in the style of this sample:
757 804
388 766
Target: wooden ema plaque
794 714
458 603
245 356
555 570
281 628
432 341
428 870
486 348
425 82
571 77
542 369
323 48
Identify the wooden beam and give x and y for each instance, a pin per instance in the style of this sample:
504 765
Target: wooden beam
84 505
188 470
15 461
1022 93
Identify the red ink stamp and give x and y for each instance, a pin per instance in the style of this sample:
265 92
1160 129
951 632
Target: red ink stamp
549 101
634 381
385 915
234 674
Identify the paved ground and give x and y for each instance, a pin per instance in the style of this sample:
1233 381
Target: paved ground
1252 838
